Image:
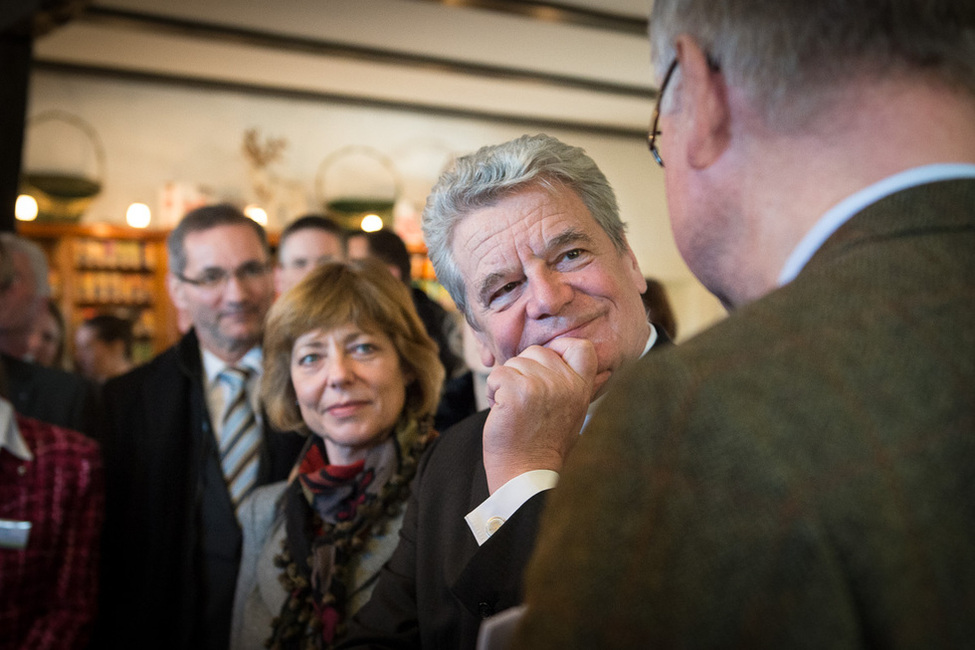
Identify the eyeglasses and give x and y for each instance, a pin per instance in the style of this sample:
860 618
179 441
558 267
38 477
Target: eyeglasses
215 278
654 131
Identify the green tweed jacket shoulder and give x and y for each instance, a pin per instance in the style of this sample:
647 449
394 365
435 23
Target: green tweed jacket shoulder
801 475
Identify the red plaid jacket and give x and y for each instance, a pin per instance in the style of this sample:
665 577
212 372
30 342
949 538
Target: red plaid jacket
48 589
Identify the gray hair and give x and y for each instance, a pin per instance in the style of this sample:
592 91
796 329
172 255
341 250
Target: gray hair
205 218
36 258
787 54
492 173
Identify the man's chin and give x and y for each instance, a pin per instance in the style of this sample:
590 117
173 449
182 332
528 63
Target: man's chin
240 324
242 336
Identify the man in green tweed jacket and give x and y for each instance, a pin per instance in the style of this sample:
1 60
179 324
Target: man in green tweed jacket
802 474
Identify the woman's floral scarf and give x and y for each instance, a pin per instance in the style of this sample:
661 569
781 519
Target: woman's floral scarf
330 512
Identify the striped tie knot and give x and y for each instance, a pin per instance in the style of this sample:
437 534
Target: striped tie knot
235 377
239 439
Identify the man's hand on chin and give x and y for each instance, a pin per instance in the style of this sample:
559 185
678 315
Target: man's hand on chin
538 406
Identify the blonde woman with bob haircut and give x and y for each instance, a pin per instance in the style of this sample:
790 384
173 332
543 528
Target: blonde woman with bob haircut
348 362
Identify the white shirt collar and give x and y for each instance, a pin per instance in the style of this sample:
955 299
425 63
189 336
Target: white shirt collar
651 340
214 365
10 437
845 209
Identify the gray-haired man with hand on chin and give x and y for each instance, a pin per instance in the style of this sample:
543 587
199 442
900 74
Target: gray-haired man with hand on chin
526 237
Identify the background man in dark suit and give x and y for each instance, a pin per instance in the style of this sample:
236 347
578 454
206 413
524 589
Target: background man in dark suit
526 237
801 474
48 394
185 444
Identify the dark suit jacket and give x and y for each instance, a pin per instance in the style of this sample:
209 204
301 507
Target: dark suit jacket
52 395
172 541
801 475
439 583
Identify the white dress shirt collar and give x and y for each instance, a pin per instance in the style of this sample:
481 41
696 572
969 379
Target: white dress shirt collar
10 438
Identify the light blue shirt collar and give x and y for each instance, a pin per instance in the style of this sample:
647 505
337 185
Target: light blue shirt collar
845 209
214 365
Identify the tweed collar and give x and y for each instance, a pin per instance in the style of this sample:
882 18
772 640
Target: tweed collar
848 207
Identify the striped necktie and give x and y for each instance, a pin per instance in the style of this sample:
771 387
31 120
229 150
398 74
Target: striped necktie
240 440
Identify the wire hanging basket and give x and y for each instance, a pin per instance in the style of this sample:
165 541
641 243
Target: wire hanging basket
61 195
368 194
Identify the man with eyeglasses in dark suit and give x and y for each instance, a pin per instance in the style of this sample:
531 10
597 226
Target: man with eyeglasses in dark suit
186 442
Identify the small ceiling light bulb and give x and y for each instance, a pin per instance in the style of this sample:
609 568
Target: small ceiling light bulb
138 215
371 223
26 208
256 213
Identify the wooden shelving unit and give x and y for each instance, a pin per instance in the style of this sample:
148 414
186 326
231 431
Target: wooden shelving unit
107 268
98 268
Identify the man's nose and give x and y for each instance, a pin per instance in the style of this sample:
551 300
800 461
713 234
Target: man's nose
234 289
549 294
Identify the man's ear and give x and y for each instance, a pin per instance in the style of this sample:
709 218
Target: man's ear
176 289
633 269
487 357
704 97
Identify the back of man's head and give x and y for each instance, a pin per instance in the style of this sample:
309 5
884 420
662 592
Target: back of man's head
17 245
23 289
788 55
386 246
205 218
109 329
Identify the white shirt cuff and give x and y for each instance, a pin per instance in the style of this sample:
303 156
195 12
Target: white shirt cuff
488 517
